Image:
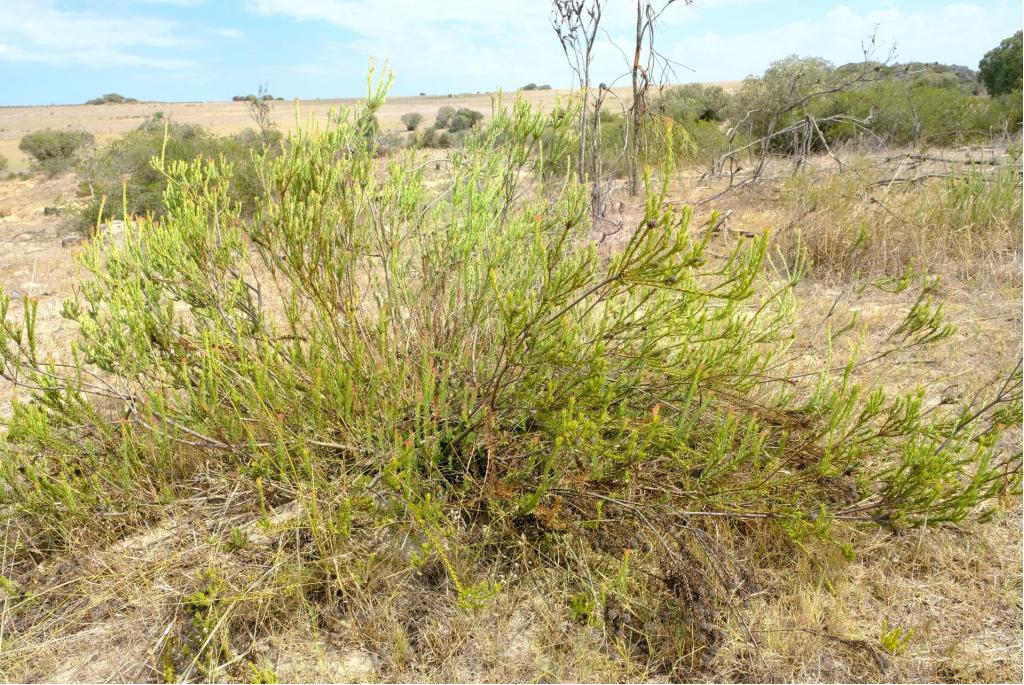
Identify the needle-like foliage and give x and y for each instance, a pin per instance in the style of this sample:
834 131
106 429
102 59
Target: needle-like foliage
454 353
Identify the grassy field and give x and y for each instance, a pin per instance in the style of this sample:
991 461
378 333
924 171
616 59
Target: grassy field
235 584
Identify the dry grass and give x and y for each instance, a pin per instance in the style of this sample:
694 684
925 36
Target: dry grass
819 618
883 218
107 615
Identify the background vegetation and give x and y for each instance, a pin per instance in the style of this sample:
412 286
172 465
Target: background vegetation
1000 67
110 99
123 180
53 152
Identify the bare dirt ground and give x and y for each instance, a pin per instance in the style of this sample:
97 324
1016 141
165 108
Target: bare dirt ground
108 121
817 619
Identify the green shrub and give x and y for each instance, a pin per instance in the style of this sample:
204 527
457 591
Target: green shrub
489 358
455 365
692 102
702 141
1008 111
664 143
412 120
905 113
458 122
559 142
123 179
55 151
926 73
898 105
3 163
464 119
763 100
1000 69
432 137
444 115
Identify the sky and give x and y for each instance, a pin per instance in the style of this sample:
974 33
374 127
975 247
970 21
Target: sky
67 51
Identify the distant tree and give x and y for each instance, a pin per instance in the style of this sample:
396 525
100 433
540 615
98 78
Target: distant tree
529 86
1000 68
259 111
412 120
576 23
110 99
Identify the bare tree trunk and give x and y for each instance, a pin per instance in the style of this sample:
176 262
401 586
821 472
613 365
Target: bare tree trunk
576 22
646 60
633 163
581 166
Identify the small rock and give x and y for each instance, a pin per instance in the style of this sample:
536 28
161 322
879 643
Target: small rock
72 240
113 231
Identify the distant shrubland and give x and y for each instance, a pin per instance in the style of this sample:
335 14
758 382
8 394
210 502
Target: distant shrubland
254 98
110 99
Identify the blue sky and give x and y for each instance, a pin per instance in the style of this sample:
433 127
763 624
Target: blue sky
66 51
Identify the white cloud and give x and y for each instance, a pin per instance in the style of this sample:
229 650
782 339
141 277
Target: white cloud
176 3
489 42
233 34
40 32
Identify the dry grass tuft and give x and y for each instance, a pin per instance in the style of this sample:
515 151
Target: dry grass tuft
881 219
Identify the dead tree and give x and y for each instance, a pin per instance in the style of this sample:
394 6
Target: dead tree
646 60
576 23
259 111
